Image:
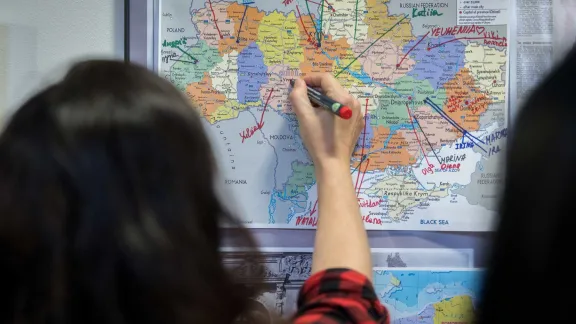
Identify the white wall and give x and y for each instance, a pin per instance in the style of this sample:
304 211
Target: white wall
46 36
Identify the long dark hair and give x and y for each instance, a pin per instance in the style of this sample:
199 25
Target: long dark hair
108 208
528 270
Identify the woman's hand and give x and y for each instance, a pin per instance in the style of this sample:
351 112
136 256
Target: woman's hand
341 239
326 136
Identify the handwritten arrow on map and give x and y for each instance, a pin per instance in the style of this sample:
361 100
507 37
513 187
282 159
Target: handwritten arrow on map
313 210
410 50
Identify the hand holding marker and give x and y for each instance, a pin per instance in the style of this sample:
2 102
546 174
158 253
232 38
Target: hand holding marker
327 103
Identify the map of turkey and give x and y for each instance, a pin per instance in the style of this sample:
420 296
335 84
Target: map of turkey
433 93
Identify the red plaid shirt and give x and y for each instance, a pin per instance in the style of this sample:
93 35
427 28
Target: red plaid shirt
339 296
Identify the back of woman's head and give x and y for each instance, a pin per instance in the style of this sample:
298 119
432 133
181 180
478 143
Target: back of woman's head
535 232
108 210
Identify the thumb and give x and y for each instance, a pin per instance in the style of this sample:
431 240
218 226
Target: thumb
299 97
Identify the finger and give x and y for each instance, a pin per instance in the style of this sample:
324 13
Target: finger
299 97
358 107
325 81
354 105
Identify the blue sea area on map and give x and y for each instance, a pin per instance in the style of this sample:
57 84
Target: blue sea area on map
418 288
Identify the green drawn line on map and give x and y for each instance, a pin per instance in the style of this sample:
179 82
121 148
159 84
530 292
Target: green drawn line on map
321 22
356 20
183 51
369 46
312 19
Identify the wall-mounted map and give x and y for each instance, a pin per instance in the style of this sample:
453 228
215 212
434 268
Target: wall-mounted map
419 295
430 75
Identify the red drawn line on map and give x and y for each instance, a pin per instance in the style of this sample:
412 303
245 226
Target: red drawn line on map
416 134
363 144
215 20
410 50
302 22
464 38
362 180
313 210
250 131
329 6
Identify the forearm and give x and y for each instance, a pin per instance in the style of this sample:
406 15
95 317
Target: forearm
341 239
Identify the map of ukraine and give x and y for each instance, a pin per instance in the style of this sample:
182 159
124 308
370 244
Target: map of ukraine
434 103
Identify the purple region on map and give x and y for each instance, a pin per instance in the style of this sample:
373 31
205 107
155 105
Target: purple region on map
365 139
252 73
426 316
439 64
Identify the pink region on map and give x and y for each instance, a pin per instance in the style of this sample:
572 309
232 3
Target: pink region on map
413 145
437 129
204 21
278 76
381 60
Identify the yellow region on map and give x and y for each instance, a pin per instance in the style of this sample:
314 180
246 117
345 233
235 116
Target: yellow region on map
458 309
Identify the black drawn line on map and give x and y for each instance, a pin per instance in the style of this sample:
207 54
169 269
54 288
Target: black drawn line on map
426 138
184 61
417 138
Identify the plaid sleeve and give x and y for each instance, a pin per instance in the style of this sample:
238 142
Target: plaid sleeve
338 296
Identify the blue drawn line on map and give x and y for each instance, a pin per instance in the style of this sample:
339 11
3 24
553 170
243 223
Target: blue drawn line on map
447 118
453 123
441 112
241 22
